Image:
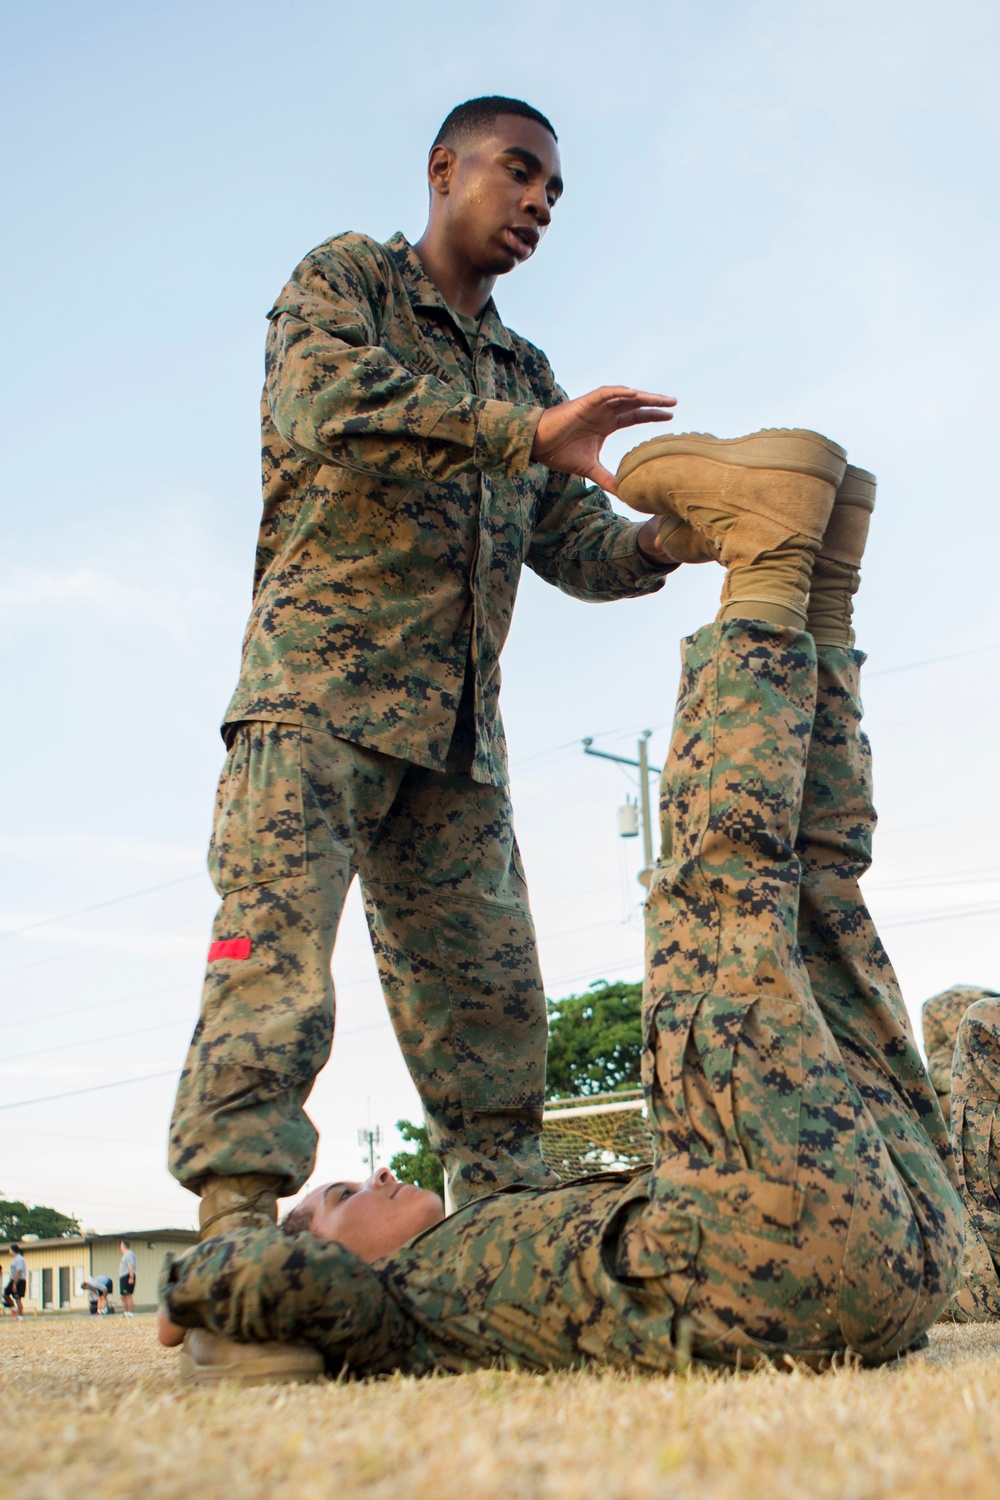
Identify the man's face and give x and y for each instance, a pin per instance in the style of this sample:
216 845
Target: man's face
372 1218
497 193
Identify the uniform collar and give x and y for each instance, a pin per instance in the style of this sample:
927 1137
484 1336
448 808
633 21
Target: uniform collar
423 293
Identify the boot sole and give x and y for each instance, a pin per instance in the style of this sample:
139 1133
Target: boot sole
266 1371
794 449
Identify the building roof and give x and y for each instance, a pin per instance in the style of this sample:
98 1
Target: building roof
92 1239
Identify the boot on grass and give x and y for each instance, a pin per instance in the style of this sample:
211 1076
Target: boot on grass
243 1202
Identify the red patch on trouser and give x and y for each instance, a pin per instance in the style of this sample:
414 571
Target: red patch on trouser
229 948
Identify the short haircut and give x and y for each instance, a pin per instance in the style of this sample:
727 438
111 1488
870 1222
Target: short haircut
127 1244
15 1248
299 1219
477 115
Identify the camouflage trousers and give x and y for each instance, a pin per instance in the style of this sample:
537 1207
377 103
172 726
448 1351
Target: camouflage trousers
298 814
941 1017
975 1133
802 1202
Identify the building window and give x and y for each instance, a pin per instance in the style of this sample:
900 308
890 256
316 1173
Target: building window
34 1286
78 1275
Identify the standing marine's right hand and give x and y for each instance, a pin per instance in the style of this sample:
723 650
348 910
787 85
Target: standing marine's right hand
569 437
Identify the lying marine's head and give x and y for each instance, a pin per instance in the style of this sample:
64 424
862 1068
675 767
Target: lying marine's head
494 175
370 1218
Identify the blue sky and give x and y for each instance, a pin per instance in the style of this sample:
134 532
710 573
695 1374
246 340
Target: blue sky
780 213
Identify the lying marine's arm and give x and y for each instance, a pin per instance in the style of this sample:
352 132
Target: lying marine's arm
260 1285
582 547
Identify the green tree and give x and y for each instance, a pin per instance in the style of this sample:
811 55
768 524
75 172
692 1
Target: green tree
595 1041
421 1167
48 1223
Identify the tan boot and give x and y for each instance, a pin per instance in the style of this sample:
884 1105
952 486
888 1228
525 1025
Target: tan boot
245 1202
207 1358
760 504
835 576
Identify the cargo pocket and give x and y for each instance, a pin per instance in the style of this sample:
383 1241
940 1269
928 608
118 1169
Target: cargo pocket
259 833
727 1080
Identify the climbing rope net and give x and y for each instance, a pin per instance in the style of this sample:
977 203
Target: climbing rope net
598 1133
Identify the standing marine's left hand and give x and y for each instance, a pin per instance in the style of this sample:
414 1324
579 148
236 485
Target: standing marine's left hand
570 436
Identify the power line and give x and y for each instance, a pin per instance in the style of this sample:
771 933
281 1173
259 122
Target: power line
930 661
82 911
54 958
987 876
91 1041
941 916
79 1010
95 1088
160 1026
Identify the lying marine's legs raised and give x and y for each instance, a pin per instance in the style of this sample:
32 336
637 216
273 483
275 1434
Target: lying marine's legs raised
851 976
778 1220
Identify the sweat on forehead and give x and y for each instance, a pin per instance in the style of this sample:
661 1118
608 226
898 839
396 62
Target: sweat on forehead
476 116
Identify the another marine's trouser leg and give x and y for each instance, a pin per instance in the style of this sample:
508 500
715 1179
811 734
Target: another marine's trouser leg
853 980
767 1152
940 1018
975 1133
292 807
448 912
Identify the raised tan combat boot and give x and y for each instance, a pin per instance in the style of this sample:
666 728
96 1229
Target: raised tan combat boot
246 1202
759 504
835 576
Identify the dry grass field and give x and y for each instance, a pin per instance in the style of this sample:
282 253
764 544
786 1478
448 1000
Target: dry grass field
93 1409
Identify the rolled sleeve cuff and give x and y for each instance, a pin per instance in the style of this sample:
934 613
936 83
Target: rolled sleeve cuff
628 554
504 436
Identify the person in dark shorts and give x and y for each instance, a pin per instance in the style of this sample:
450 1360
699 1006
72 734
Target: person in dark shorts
13 1292
126 1278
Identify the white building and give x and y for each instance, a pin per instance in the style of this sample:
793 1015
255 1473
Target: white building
58 1268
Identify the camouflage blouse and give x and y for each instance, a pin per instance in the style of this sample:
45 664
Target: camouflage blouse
400 503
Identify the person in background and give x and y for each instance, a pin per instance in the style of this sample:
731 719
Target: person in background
126 1278
99 1289
13 1292
962 1042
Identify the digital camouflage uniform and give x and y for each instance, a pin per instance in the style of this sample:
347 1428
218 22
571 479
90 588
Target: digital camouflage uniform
962 1040
940 1017
400 504
802 1202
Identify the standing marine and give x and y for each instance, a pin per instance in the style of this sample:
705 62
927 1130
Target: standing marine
416 455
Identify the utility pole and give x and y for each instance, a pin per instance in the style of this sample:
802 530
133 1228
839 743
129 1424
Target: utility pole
370 1136
625 823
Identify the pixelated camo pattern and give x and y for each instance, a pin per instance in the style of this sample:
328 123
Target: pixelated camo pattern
299 813
940 1018
975 1133
400 504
